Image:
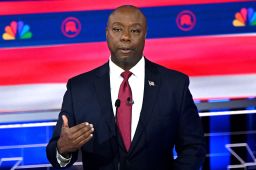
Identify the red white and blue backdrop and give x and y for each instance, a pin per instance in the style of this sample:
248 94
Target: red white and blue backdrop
45 42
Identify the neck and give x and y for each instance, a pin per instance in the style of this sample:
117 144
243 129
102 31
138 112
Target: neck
125 65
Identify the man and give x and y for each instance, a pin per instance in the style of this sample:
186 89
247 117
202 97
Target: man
130 121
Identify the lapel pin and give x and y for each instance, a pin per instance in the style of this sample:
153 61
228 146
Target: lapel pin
151 83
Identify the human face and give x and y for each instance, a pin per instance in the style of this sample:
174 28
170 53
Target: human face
125 34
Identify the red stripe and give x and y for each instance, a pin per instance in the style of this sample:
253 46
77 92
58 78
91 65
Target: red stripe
28 7
199 56
196 56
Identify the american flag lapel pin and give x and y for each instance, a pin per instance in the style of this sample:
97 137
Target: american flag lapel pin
151 83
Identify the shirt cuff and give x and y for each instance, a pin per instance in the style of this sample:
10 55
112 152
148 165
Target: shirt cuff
63 162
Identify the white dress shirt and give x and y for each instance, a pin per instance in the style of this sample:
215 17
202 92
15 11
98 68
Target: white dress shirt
136 82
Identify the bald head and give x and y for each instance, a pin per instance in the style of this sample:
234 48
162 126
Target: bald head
128 9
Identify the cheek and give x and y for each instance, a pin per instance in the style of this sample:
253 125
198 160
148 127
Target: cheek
114 36
112 45
140 43
138 39
113 40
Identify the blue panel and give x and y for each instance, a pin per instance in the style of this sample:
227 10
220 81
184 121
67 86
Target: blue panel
251 126
34 156
26 143
219 158
32 135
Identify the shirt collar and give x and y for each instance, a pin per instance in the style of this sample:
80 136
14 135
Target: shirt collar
137 70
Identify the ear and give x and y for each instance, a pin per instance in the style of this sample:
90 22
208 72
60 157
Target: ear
146 32
107 32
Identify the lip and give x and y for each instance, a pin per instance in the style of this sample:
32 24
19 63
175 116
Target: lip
125 50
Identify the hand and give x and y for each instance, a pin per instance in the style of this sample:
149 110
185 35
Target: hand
72 139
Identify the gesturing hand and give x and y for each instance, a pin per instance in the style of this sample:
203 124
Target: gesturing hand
71 139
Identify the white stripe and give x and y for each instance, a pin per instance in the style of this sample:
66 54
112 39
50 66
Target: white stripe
26 125
49 96
23 146
34 166
236 112
230 133
27 117
44 165
231 86
31 97
245 165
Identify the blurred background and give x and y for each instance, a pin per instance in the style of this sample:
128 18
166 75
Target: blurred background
45 42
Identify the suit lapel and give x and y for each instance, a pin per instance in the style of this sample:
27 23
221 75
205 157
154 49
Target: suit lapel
151 87
102 88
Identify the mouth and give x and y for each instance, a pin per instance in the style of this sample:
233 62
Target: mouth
126 50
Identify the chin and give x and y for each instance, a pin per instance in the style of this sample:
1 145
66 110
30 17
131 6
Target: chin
125 57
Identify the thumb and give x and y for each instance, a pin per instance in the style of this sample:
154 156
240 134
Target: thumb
65 121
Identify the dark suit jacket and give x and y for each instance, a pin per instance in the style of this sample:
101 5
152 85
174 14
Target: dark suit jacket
168 118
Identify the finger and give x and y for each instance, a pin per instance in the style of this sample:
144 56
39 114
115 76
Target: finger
83 136
77 128
83 131
81 143
65 121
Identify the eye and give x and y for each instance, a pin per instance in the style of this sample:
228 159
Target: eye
135 30
117 29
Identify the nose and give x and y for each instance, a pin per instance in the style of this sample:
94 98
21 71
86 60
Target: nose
126 36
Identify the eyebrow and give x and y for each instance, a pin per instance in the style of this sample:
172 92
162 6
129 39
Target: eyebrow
135 24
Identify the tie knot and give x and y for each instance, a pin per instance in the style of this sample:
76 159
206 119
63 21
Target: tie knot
126 75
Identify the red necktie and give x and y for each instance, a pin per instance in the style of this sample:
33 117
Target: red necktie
124 113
